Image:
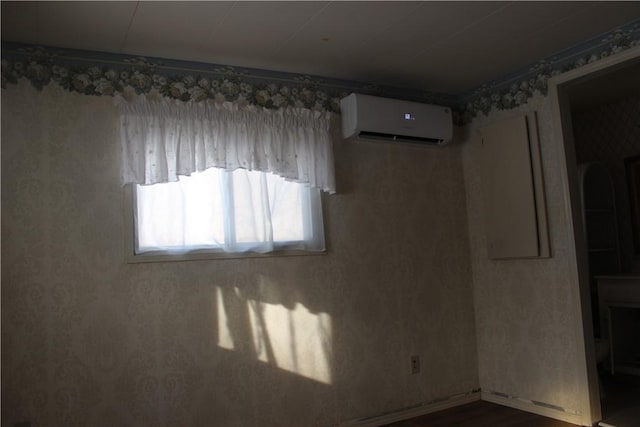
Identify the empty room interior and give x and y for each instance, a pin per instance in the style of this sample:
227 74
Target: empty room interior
319 213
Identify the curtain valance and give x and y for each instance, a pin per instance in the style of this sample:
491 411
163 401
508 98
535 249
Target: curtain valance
162 139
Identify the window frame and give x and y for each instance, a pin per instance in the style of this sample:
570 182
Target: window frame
130 239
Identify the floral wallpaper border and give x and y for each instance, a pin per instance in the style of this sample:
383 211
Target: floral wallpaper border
515 90
96 73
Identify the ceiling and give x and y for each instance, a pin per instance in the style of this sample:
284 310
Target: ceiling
440 47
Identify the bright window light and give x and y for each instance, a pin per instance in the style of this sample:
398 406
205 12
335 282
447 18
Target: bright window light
293 339
221 211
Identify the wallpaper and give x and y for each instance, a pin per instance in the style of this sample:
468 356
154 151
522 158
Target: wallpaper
89 340
527 345
609 134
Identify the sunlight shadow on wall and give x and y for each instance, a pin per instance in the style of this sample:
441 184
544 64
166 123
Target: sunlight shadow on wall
294 340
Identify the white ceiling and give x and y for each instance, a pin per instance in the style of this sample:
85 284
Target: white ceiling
446 47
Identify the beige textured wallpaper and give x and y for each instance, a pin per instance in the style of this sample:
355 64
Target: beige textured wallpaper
88 340
527 344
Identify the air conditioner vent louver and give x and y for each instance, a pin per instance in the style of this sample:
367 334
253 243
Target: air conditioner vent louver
399 138
385 119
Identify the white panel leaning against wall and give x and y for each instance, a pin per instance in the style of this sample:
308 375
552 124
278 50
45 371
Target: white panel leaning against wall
513 190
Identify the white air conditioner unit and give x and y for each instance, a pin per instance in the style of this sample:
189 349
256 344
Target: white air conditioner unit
372 117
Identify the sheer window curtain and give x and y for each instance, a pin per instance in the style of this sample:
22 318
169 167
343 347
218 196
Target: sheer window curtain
269 163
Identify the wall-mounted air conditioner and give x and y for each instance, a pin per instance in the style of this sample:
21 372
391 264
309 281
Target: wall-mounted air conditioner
372 117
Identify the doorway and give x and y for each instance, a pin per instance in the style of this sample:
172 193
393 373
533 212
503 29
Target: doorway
592 104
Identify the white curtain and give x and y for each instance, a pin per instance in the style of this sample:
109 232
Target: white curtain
238 211
225 178
163 139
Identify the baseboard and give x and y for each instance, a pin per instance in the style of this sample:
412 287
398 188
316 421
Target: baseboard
414 411
538 408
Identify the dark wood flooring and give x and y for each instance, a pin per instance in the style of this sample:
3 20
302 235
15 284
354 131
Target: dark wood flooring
481 414
621 401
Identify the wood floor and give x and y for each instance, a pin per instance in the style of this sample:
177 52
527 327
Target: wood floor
621 400
481 414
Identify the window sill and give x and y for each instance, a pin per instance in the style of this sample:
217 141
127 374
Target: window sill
209 256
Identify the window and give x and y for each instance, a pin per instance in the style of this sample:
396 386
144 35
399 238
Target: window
218 211
178 158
